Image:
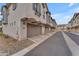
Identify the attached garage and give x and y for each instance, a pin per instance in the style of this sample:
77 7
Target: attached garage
53 29
33 30
46 29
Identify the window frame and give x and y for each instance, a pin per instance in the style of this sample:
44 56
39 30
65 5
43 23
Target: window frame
14 6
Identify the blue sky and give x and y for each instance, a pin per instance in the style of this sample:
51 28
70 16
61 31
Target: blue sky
63 12
1 4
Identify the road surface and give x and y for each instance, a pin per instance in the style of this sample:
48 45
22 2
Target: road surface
54 46
74 37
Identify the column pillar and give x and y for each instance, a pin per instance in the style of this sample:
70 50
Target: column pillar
49 29
43 29
22 30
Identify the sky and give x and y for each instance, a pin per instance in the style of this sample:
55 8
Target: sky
1 4
61 12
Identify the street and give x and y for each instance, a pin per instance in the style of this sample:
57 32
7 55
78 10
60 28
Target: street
54 46
74 37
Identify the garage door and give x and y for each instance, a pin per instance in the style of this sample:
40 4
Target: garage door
33 30
46 29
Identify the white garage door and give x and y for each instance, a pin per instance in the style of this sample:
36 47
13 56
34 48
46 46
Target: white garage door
33 30
46 29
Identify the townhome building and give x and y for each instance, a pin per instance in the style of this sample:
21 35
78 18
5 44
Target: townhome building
23 20
54 28
62 27
74 23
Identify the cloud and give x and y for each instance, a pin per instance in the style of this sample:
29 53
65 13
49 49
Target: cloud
62 18
0 13
71 4
76 9
65 17
1 16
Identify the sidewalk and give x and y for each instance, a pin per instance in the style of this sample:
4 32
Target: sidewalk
74 48
76 33
38 40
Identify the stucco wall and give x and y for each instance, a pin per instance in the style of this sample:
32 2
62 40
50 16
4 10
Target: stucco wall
14 28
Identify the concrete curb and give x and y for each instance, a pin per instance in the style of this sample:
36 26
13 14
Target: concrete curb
74 48
26 50
74 33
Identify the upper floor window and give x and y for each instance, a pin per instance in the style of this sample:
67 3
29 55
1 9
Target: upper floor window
37 8
43 15
14 23
34 6
4 11
14 6
43 4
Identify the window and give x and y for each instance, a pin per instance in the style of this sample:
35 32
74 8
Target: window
34 6
43 4
37 9
43 15
14 22
14 6
5 15
11 24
